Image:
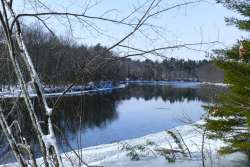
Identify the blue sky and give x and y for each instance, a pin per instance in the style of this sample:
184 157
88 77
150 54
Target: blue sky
190 24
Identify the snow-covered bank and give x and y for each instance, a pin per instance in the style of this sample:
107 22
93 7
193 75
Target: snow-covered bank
187 83
114 155
17 92
215 84
79 90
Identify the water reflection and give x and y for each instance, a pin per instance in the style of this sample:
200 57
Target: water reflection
122 114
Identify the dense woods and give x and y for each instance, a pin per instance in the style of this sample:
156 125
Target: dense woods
62 61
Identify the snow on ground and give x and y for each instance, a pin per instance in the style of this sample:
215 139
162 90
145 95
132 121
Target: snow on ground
16 92
177 83
113 155
215 84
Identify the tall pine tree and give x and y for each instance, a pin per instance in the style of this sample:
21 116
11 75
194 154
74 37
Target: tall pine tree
230 117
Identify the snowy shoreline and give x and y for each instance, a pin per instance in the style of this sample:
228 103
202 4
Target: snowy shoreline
113 155
15 92
215 84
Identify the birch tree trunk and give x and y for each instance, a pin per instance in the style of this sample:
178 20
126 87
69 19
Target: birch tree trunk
46 142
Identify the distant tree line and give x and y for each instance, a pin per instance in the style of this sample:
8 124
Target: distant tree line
61 61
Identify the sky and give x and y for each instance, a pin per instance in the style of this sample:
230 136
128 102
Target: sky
199 22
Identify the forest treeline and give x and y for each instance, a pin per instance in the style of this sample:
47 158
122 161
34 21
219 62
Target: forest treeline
62 61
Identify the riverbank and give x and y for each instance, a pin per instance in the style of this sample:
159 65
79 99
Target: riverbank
195 83
79 90
52 92
152 150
